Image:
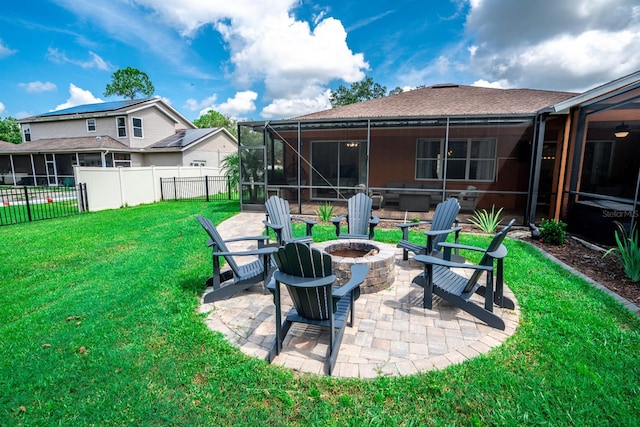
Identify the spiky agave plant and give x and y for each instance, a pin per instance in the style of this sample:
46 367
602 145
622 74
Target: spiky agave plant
487 221
627 250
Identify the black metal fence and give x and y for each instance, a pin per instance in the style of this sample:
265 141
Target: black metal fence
202 188
23 204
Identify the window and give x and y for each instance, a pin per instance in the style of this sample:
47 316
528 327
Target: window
121 124
467 159
137 127
91 125
26 129
121 160
198 163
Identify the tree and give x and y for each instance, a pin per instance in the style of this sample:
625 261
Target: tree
10 130
396 91
214 119
359 91
129 82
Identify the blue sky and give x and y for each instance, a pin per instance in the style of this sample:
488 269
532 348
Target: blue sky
273 59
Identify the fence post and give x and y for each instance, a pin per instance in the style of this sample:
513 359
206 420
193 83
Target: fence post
229 188
161 189
26 198
175 188
206 186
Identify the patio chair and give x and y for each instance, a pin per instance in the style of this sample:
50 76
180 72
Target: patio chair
439 278
279 219
239 277
360 219
443 223
307 275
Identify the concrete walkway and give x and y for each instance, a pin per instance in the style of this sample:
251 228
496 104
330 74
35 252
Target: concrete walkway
392 334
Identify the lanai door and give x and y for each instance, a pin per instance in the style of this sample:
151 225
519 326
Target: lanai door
338 167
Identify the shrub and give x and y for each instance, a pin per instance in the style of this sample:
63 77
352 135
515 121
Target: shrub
325 212
553 232
628 251
487 221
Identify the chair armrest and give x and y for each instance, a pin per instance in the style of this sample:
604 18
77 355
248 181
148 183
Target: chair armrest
240 239
358 275
440 232
405 227
275 227
374 220
458 246
306 221
428 259
337 219
499 253
303 282
262 251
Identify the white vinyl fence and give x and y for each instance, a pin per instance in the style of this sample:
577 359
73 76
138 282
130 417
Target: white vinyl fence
112 188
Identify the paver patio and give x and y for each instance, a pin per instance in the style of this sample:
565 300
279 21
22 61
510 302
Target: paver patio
392 334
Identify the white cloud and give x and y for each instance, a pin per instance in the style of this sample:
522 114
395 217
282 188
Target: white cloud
5 50
95 60
290 107
570 45
38 86
242 103
78 96
494 85
267 43
2 109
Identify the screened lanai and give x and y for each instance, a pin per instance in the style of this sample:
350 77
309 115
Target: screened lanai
407 165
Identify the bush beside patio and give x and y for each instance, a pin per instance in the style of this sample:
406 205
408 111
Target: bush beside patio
99 325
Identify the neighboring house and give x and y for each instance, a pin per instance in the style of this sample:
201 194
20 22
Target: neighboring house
140 132
535 153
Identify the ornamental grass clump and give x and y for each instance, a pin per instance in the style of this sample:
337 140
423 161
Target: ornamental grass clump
627 251
487 221
325 212
553 232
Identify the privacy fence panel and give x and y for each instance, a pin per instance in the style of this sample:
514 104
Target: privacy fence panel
204 188
23 204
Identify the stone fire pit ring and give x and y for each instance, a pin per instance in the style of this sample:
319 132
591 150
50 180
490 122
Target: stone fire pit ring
380 258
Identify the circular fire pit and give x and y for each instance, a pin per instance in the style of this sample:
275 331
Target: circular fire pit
380 258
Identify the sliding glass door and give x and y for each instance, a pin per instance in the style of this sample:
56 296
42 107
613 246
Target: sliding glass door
338 167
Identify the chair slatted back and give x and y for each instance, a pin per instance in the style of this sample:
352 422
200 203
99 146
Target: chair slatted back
298 259
359 210
486 259
218 243
279 213
443 219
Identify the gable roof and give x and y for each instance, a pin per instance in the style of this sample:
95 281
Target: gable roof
100 107
186 138
448 100
56 145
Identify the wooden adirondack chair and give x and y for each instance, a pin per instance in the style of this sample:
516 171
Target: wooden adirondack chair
439 279
279 219
360 219
308 277
443 223
239 277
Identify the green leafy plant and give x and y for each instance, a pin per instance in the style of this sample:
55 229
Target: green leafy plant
325 212
628 251
415 219
487 221
553 232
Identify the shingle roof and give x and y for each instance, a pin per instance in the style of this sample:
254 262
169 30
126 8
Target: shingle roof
183 139
448 100
65 145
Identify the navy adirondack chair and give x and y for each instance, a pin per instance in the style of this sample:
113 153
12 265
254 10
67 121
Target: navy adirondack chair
439 278
444 222
238 277
360 219
307 275
279 219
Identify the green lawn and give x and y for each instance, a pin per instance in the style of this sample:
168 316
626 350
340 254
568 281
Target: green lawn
99 326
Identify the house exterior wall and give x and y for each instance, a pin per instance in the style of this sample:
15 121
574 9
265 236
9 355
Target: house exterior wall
155 126
162 159
212 151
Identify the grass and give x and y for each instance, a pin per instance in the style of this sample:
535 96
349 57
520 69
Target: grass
99 325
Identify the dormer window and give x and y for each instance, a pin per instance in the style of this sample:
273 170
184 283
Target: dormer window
91 125
121 124
137 127
26 130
